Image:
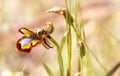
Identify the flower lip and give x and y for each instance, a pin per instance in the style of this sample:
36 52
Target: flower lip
25 44
19 47
26 40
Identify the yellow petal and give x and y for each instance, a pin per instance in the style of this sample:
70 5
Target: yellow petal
27 32
35 42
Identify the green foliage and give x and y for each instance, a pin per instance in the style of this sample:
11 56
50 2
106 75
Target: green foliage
63 40
48 69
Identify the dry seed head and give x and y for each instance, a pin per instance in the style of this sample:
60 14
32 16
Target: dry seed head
57 10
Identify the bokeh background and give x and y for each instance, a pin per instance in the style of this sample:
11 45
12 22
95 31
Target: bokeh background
102 34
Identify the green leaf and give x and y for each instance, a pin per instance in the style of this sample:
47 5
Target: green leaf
63 40
68 17
54 42
48 70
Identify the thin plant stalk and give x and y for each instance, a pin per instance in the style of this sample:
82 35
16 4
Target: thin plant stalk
80 37
23 69
33 70
69 49
59 52
69 38
96 58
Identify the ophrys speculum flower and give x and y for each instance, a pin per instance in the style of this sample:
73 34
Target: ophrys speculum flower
31 39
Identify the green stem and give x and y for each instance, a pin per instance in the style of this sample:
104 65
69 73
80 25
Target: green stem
61 67
69 49
69 21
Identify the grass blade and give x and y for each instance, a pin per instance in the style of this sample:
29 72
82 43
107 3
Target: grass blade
63 40
48 70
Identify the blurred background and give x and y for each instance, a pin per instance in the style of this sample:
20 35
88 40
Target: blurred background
102 34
